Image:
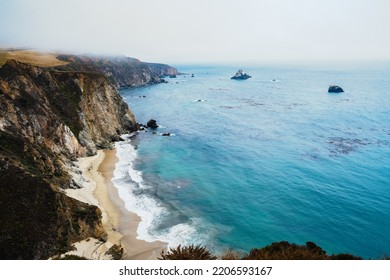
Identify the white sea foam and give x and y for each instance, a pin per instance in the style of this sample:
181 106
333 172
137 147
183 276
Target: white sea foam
133 191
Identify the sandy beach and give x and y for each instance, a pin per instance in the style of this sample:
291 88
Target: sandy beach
120 224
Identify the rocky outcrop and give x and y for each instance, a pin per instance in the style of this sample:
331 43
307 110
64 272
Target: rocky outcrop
47 119
335 89
163 70
121 71
152 124
37 220
241 75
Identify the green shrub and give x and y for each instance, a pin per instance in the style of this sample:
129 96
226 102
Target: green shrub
286 251
187 253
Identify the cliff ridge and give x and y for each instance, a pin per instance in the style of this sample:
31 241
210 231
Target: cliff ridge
120 70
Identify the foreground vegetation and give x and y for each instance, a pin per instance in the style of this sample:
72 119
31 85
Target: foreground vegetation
276 251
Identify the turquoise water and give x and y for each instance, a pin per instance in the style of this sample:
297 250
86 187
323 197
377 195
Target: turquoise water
260 161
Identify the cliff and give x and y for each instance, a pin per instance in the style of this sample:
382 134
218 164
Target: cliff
120 70
47 119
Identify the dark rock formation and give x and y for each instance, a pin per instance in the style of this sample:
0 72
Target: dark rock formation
241 75
166 134
152 123
335 89
142 127
121 71
117 138
116 252
47 119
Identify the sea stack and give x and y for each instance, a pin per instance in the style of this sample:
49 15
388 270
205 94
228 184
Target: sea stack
335 89
152 124
241 75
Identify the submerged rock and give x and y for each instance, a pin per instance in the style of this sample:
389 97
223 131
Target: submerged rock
335 89
152 123
241 75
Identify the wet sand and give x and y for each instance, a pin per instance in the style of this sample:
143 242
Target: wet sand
120 224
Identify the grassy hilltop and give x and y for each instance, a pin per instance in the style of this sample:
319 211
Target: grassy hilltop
42 59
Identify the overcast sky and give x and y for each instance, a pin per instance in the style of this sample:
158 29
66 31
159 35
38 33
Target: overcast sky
204 31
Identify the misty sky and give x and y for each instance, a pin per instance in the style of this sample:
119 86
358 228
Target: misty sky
204 31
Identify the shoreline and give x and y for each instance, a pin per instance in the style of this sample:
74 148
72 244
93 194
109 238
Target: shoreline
119 223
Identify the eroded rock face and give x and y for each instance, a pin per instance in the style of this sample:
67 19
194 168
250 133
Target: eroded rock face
48 119
37 220
76 110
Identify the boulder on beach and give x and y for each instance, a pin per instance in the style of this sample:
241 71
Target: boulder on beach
335 89
241 75
117 138
152 123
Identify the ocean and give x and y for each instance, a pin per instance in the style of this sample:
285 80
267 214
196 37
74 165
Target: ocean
275 157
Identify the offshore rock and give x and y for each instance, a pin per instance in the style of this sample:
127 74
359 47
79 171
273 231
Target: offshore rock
152 123
241 75
335 89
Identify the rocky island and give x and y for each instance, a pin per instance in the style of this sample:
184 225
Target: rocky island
335 89
241 75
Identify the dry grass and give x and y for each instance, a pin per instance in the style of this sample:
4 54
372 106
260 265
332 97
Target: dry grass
231 254
36 58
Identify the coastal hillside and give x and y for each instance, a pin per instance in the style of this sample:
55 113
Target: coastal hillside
48 118
120 70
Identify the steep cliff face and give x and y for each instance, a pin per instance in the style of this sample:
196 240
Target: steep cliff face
37 220
47 119
121 71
